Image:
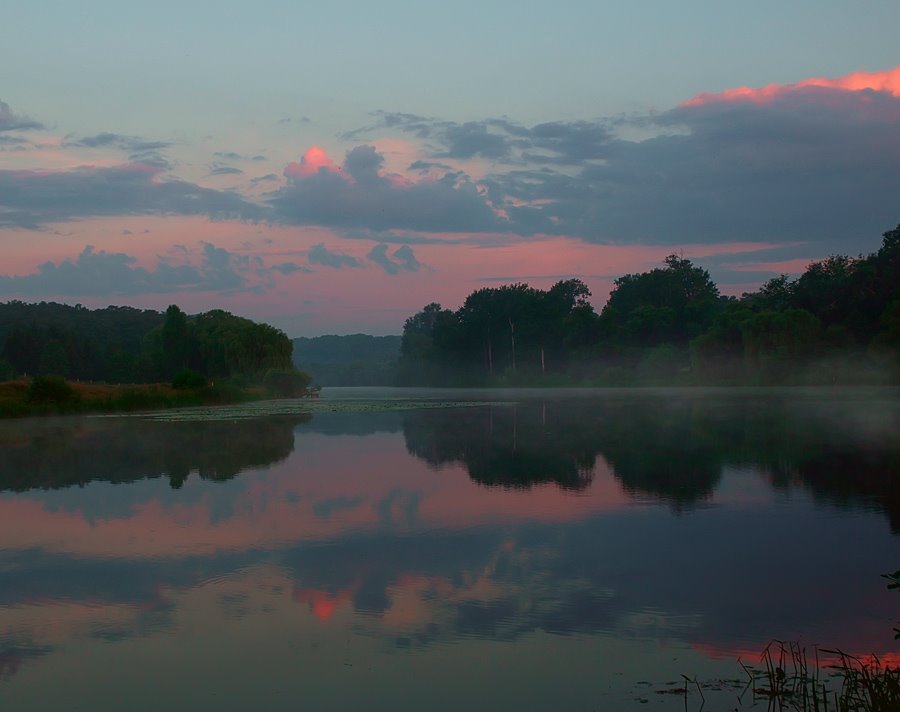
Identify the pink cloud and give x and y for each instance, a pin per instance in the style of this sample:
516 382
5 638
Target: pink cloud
885 81
314 160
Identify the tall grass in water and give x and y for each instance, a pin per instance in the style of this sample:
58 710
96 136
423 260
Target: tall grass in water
790 680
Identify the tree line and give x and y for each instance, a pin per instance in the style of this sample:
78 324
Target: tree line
127 345
352 360
837 322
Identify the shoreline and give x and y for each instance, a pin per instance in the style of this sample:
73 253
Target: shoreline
19 400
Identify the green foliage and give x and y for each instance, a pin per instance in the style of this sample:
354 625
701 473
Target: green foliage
718 353
52 390
286 383
839 322
175 339
78 343
225 345
508 334
6 370
670 304
354 360
125 345
889 336
661 364
776 342
188 378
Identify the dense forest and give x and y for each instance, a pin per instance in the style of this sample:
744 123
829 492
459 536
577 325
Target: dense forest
126 345
838 322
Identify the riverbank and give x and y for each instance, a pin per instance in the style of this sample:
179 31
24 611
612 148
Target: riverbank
56 396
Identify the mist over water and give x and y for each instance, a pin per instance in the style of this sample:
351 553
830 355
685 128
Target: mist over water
530 548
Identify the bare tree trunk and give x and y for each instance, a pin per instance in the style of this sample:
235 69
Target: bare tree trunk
543 365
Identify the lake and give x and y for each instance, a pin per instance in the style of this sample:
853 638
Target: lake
444 550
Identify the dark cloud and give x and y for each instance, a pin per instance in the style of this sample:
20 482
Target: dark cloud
33 198
219 170
223 270
819 166
360 197
138 150
97 273
403 259
500 140
474 138
363 164
393 238
816 165
568 142
263 179
758 265
289 268
426 166
421 126
509 279
321 255
406 258
126 143
811 164
234 156
10 121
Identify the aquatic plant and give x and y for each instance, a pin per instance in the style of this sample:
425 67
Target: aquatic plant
790 678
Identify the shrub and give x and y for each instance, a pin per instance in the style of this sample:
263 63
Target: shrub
52 389
286 384
187 378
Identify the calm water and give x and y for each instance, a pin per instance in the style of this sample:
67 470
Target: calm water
548 550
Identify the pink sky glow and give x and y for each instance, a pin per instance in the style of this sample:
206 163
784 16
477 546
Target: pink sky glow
361 232
887 81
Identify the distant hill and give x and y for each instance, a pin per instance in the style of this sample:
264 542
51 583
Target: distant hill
354 360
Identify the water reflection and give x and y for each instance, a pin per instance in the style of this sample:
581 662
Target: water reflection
514 446
845 451
57 453
526 538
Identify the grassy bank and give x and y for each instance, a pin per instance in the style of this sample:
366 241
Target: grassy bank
55 396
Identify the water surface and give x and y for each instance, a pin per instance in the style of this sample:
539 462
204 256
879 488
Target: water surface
519 550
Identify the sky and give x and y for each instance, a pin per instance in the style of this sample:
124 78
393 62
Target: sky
334 168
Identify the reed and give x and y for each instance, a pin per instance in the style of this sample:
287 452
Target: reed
790 678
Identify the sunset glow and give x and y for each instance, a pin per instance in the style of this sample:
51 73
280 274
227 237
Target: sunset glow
887 81
314 160
446 356
404 209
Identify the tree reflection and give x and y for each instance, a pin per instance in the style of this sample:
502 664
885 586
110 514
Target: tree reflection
515 446
56 453
651 450
844 450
